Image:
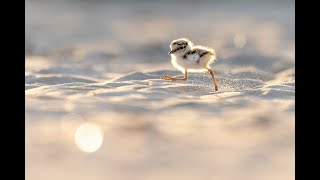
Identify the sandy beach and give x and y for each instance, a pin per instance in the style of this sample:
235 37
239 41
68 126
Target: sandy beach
101 63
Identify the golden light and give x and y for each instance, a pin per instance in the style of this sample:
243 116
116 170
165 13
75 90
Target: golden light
88 137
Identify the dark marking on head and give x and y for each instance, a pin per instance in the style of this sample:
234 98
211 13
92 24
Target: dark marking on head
180 43
179 48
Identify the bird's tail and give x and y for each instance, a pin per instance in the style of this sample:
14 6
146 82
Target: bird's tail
212 52
214 56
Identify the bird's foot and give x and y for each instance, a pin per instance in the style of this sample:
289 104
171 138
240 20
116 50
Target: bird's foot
164 77
215 88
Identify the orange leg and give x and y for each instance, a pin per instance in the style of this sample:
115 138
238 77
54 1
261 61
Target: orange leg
174 79
214 79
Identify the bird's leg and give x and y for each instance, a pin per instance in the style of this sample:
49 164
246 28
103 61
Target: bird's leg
174 79
213 79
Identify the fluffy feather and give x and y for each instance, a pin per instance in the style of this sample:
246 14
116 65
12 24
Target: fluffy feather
197 58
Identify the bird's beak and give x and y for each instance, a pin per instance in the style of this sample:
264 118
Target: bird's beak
170 52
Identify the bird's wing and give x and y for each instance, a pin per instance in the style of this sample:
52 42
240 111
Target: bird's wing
205 49
194 57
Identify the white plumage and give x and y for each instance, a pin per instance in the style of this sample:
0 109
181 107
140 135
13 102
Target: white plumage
193 57
197 58
187 57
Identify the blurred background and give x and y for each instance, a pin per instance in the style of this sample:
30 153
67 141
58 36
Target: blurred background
92 111
142 30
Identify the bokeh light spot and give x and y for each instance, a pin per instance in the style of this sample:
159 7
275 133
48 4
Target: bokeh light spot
88 137
240 40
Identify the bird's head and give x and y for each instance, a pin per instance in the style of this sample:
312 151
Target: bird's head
180 46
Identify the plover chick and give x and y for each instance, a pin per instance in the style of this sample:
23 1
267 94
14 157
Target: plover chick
187 57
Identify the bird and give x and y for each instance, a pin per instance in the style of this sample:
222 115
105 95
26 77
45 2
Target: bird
187 57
